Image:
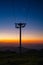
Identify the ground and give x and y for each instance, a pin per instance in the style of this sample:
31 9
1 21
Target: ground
11 58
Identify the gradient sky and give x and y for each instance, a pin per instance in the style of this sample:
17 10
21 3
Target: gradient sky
28 11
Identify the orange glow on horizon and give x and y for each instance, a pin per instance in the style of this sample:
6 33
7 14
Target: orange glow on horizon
23 41
27 38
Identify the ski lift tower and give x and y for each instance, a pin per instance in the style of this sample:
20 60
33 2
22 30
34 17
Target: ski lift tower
20 26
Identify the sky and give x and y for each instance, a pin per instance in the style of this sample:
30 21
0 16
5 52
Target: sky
25 11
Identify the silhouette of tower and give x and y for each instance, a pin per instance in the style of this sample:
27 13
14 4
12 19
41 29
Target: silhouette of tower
20 25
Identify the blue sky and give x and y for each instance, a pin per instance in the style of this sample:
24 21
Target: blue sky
28 11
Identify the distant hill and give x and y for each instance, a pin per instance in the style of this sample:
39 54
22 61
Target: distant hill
13 49
16 50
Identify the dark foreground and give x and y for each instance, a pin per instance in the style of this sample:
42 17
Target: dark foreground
32 57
